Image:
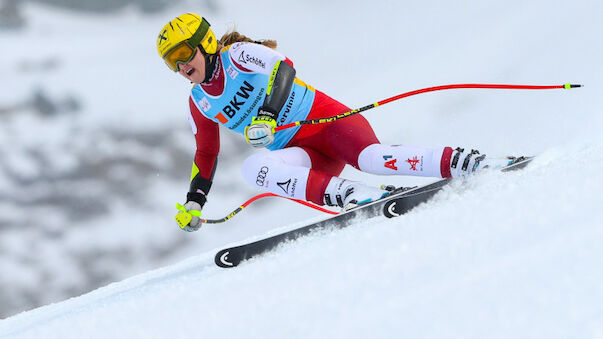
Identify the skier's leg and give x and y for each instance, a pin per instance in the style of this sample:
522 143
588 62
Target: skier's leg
353 140
325 187
330 147
284 172
287 173
402 160
323 170
420 161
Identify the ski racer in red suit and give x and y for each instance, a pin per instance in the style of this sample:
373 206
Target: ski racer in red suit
250 88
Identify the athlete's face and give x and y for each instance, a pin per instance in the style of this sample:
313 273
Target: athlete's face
194 70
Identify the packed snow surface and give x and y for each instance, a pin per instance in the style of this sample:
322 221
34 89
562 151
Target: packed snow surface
515 255
504 255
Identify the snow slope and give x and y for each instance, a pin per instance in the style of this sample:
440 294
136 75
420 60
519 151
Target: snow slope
517 255
502 256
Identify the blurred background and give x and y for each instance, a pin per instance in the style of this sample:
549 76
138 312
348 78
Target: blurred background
96 149
85 143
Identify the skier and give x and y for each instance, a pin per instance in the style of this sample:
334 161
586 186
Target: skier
250 88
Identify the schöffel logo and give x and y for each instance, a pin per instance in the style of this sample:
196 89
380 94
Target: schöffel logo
286 185
246 58
261 176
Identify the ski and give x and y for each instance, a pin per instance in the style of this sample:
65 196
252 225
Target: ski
231 257
399 202
403 203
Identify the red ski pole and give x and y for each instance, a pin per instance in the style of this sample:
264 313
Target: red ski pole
260 196
419 91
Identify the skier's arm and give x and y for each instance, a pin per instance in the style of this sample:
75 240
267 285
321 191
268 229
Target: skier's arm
204 166
207 139
277 91
261 131
255 58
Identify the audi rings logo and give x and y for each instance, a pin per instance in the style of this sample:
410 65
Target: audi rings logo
261 176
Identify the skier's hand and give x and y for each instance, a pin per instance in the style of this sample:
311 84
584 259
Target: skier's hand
189 217
261 131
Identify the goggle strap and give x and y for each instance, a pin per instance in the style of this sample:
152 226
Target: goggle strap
198 36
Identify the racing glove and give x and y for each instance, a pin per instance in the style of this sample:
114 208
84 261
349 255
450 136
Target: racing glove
189 217
260 133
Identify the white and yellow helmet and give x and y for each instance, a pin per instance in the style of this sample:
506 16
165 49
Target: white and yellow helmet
178 40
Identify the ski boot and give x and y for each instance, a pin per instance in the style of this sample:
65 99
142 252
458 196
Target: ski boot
463 164
343 193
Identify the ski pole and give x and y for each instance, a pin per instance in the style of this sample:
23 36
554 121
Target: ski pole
260 196
411 93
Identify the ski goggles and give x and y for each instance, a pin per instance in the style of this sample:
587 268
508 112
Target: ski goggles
184 51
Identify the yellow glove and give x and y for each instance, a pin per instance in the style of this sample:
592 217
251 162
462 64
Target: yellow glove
189 217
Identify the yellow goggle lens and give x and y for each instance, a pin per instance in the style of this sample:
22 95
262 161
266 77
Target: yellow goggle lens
180 54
